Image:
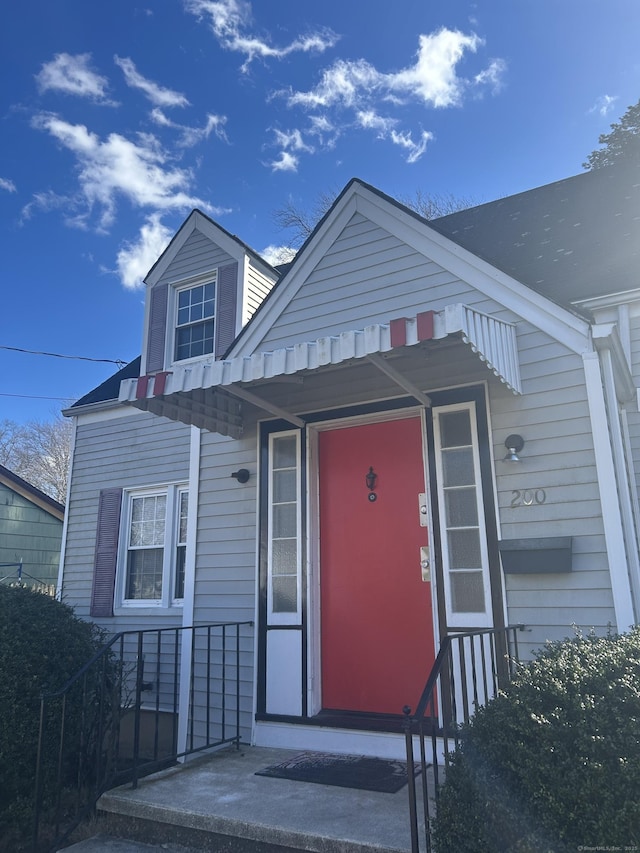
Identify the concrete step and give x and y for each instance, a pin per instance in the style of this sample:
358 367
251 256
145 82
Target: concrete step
218 804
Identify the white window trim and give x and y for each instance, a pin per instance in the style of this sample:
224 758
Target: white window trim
172 316
169 563
293 617
455 620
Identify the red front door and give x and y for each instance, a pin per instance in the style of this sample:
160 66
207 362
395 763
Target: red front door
376 621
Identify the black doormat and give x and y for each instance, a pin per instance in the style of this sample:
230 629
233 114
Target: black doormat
344 771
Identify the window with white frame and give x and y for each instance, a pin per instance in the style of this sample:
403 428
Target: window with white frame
464 551
195 320
284 544
154 550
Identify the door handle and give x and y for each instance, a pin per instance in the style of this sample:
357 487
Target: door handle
425 563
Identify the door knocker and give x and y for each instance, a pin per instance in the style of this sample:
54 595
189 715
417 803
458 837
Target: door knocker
371 479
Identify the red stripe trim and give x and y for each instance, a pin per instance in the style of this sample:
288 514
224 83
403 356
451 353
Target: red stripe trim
141 387
425 325
159 382
398 332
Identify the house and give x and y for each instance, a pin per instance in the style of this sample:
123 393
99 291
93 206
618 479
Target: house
416 429
30 533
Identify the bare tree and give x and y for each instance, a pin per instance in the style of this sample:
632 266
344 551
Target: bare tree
39 452
299 221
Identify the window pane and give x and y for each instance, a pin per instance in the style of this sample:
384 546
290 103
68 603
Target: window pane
284 486
455 429
144 574
182 520
196 312
467 592
181 553
284 521
284 452
464 549
457 467
461 508
285 594
148 521
285 557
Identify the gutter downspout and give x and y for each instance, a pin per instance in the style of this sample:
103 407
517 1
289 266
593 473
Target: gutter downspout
608 488
188 604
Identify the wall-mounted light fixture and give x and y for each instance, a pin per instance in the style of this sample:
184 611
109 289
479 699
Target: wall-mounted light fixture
241 475
514 444
371 478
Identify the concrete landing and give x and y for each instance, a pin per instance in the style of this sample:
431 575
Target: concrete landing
218 803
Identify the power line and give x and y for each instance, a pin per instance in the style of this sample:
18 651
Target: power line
117 361
37 397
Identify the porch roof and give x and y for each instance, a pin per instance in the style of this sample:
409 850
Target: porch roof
208 393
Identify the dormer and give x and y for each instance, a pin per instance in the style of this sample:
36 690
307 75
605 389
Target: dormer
202 290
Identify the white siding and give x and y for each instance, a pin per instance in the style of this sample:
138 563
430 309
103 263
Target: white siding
553 418
198 255
225 577
257 287
134 451
367 276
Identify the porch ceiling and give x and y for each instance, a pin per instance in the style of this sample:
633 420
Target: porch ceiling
208 394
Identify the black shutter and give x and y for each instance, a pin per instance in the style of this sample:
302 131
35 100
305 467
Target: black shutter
157 328
106 556
226 307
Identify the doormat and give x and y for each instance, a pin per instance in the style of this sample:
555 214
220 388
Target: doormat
344 771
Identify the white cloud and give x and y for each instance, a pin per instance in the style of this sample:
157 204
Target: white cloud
492 76
289 141
370 120
134 260
73 76
158 95
292 140
287 163
275 255
190 136
8 185
117 167
604 105
344 83
357 87
432 79
230 19
415 149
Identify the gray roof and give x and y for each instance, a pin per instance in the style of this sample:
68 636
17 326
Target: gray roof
570 240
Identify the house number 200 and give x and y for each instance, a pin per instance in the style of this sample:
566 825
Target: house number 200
527 497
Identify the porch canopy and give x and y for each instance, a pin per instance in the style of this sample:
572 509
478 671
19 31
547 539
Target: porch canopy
209 393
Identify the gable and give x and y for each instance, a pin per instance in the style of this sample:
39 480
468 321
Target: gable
371 261
367 276
200 292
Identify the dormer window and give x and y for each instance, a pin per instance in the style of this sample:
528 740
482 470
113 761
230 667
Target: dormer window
192 318
195 321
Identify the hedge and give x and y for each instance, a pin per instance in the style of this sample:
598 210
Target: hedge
553 763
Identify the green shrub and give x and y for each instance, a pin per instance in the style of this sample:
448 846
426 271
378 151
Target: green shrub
553 763
42 644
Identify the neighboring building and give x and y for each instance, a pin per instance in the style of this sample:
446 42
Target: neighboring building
30 533
439 423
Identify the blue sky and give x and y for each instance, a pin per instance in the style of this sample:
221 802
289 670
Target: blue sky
118 118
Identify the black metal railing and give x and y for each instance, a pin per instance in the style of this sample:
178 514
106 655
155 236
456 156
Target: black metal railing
468 671
131 711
